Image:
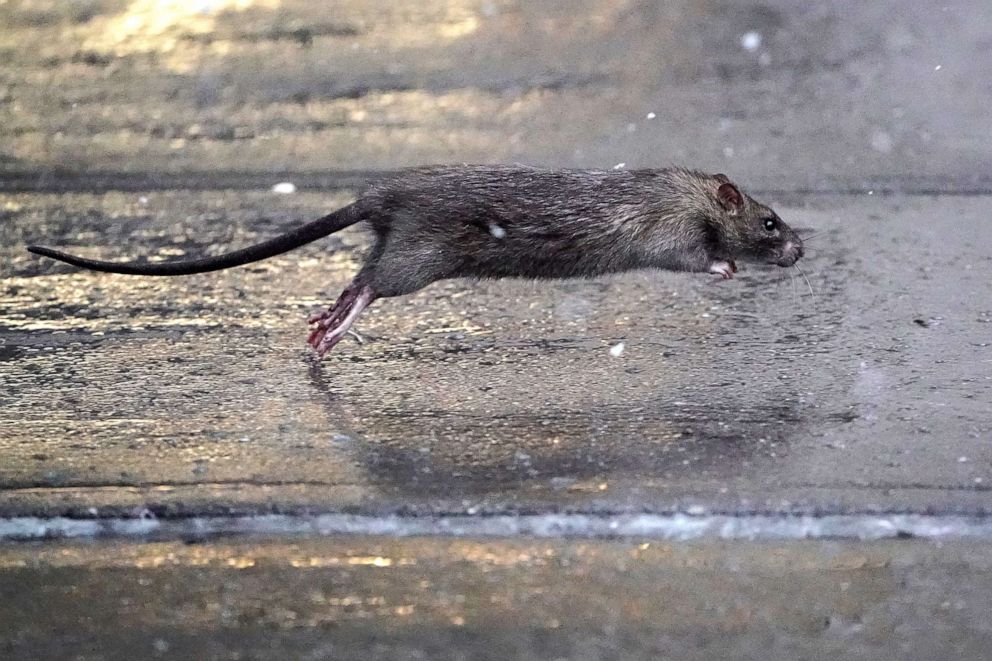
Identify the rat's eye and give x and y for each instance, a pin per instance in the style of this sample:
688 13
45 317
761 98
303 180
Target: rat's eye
770 224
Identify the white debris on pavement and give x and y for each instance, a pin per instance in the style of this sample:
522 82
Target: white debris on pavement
284 188
616 349
751 41
497 231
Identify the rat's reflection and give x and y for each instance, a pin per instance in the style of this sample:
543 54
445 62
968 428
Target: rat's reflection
438 452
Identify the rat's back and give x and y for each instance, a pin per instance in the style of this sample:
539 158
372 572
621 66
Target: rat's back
506 220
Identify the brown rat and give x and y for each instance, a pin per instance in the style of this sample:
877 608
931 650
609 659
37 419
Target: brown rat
483 221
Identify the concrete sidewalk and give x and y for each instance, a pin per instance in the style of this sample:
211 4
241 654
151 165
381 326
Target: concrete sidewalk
439 599
199 395
139 128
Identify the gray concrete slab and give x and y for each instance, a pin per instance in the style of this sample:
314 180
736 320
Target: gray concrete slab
198 395
380 598
780 94
149 128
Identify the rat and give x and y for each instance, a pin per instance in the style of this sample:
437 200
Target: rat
495 221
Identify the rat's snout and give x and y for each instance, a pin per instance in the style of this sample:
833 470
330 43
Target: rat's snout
791 252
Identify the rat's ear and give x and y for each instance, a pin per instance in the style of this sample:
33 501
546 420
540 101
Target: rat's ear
729 197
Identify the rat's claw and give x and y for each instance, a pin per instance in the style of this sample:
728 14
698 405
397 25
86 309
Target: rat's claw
318 317
723 269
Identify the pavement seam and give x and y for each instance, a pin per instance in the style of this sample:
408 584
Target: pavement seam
676 527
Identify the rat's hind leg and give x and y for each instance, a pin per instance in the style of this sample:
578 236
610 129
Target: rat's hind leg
333 316
391 272
333 325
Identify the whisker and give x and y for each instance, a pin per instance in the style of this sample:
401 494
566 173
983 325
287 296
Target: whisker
812 236
795 290
811 294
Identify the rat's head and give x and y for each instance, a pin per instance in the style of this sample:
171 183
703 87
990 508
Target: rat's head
743 227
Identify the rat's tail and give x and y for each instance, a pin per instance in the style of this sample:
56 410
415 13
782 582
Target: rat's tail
312 231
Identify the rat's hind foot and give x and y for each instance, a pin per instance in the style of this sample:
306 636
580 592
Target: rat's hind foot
336 322
331 316
325 317
725 269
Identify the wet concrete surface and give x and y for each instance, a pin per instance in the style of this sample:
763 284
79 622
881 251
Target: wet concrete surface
782 94
423 598
750 395
158 129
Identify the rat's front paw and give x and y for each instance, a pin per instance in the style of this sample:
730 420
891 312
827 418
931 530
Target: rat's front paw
724 269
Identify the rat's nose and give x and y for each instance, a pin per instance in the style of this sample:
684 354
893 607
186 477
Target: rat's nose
791 252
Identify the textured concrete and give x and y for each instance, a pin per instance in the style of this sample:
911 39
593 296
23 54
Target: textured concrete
373 598
781 94
137 128
199 393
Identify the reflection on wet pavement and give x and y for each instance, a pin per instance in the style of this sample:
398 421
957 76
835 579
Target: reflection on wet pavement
492 395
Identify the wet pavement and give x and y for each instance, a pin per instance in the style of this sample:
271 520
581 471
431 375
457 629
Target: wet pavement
869 394
375 598
142 129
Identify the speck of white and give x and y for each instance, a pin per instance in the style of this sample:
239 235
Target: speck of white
938 67
962 460
619 166
284 188
881 142
871 192
751 41
616 349
142 200
651 115
497 231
